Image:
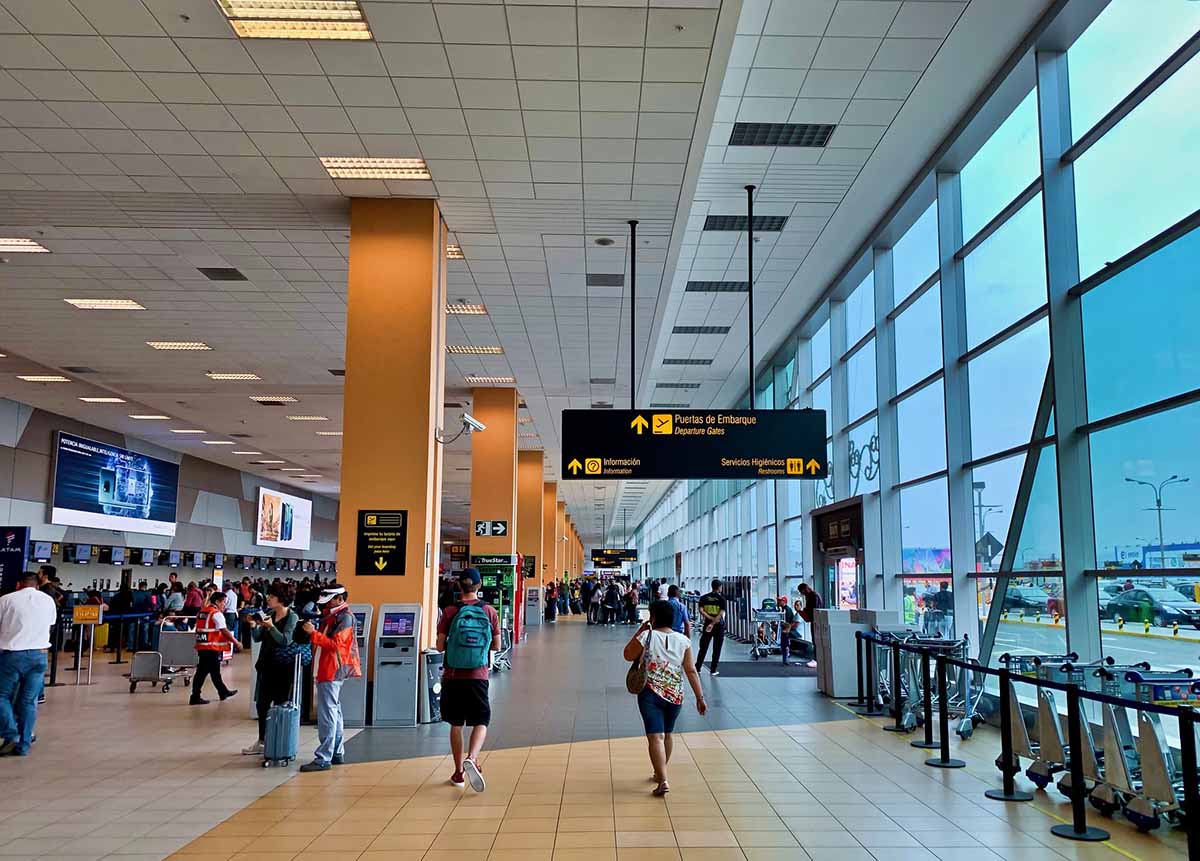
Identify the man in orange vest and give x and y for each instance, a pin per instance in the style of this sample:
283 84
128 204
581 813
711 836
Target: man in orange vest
212 638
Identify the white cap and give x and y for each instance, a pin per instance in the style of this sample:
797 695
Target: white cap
328 595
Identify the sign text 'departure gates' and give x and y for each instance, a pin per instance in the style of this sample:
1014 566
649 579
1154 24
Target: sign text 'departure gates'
698 444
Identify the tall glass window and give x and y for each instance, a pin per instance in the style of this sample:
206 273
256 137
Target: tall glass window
919 339
860 376
819 345
915 255
1126 42
1140 178
1005 277
863 460
821 400
1006 384
921 424
925 526
994 490
1009 161
860 310
1139 331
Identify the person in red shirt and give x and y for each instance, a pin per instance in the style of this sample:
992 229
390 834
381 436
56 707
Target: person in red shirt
338 661
463 636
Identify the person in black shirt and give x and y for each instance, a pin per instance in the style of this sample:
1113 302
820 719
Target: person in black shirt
712 614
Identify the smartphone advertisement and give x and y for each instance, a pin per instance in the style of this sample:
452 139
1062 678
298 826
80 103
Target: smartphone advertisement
283 520
106 487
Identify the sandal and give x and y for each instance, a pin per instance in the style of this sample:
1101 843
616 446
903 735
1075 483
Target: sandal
661 790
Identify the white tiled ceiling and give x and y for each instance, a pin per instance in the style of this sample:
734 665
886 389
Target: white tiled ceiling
140 139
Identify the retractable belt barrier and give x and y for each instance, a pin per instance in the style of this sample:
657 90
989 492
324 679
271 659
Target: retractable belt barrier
1078 828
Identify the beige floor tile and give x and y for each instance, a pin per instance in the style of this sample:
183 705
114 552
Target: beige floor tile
521 855
648 839
585 840
391 855
705 838
767 839
719 853
463 842
643 854
585 855
547 825
401 843
524 841
586 823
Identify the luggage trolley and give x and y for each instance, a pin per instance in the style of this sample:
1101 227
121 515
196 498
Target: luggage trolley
768 624
175 659
1049 755
1114 786
1160 792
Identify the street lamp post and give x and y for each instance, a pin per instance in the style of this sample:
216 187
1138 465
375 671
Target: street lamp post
1158 507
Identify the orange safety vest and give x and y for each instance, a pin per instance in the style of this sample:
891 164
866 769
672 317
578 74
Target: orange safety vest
209 638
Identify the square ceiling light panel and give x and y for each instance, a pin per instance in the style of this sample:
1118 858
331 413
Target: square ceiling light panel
178 345
105 304
454 252
781 134
16 245
216 375
361 167
480 379
469 309
472 350
296 19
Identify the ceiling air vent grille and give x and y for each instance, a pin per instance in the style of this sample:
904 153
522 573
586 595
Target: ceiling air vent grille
762 223
700 330
718 287
222 273
781 134
604 381
79 369
687 361
678 385
605 279
338 372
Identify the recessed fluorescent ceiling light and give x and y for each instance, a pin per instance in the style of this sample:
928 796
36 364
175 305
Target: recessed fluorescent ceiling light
292 469
466 308
13 245
42 378
454 252
233 377
103 400
246 452
296 19
329 433
151 418
359 167
524 420
175 430
485 380
273 399
268 461
217 442
308 418
178 345
105 304
310 475
470 350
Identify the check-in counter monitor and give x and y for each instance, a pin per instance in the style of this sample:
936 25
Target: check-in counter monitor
354 691
397 655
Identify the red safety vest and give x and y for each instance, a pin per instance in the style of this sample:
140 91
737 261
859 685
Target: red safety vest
209 638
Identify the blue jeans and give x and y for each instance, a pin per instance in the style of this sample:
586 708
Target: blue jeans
658 715
21 681
329 721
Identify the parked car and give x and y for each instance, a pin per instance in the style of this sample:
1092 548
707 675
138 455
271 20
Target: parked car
1026 598
1160 606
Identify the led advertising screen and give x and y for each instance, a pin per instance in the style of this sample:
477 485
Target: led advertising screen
283 520
106 487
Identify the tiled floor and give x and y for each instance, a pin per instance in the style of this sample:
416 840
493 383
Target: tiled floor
145 776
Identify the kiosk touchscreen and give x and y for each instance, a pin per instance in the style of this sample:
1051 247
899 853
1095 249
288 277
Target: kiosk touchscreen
397 655
354 691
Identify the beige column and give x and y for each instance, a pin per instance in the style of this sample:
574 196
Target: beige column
392 401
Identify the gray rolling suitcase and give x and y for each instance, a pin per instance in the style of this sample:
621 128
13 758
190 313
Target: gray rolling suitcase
283 728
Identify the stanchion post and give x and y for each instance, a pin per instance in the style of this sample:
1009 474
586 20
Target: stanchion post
873 709
1077 829
858 646
1191 780
120 639
927 705
897 691
1010 791
943 759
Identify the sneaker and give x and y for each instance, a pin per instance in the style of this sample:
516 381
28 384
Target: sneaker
255 749
713 672
338 759
198 701
457 779
315 765
227 695
7 747
811 665
474 774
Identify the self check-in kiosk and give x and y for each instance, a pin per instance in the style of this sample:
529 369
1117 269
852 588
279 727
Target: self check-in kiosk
397 657
354 691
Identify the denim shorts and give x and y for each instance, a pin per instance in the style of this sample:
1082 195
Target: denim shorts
658 715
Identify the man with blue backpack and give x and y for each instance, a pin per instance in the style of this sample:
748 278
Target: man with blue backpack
467 632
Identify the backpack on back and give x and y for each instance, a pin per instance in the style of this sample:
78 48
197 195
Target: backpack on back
469 638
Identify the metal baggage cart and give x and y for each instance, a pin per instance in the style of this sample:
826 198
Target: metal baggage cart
175 659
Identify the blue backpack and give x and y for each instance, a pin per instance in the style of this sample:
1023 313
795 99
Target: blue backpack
469 638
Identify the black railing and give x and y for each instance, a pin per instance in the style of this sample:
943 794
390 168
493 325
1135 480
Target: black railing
1078 828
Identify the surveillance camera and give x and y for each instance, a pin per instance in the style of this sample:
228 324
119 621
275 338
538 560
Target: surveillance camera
469 421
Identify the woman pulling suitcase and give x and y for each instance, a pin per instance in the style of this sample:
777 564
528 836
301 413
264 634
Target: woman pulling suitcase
276 657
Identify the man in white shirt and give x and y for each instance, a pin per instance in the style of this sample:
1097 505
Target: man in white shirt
26 617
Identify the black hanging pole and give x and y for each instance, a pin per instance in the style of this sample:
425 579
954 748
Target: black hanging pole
632 313
750 283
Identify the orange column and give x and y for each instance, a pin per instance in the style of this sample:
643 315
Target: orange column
529 524
549 533
562 553
392 402
494 468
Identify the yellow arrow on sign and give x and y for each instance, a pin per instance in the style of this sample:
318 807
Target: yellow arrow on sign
381 563
639 424
575 466
812 466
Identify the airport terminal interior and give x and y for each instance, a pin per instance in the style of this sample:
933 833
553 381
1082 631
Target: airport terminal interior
826 318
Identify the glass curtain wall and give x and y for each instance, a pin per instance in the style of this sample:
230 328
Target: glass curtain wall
979 298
